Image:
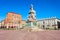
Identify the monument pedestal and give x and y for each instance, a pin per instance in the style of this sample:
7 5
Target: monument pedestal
31 24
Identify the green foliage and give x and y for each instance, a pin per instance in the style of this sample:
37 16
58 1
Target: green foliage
8 28
47 28
55 28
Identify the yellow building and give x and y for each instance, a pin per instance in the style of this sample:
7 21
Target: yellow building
23 23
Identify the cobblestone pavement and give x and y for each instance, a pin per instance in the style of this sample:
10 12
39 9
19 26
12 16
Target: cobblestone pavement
20 35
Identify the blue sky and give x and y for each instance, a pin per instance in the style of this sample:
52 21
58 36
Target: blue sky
43 8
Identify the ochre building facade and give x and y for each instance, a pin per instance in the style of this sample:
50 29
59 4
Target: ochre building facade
12 20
